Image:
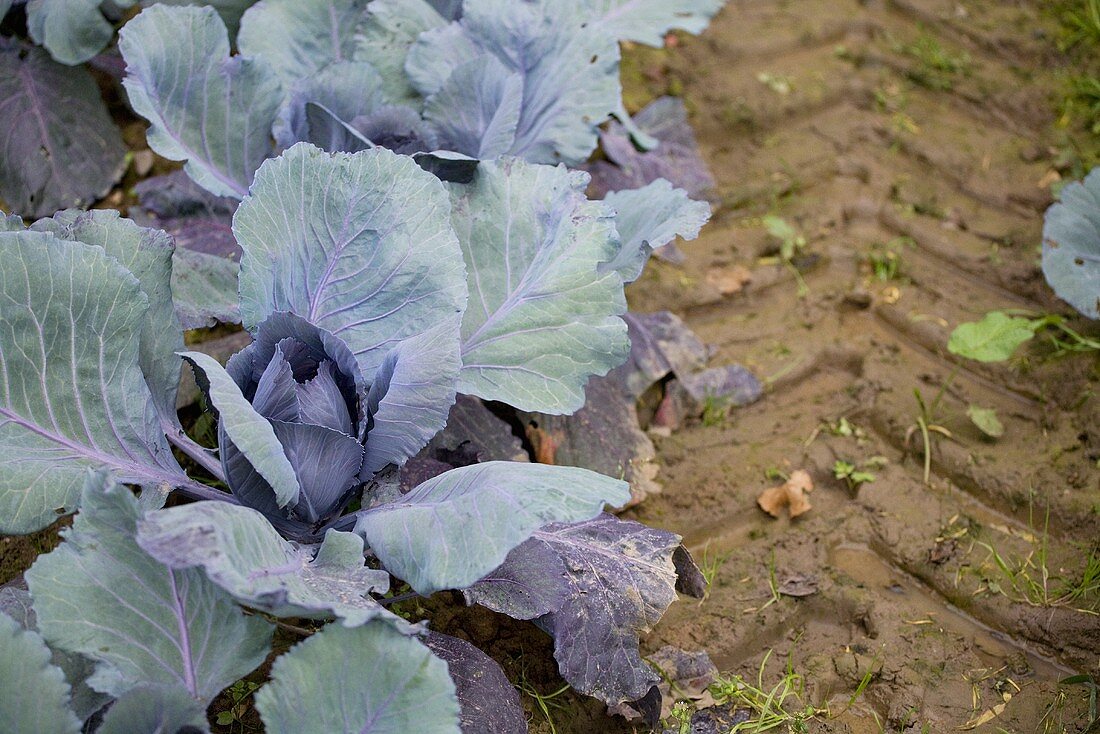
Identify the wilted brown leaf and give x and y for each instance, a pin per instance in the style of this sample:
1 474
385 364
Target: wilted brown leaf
729 280
790 494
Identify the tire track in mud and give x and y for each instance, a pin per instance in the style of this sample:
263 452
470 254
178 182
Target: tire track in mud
834 115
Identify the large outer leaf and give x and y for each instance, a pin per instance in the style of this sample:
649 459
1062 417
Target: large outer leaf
1071 245
364 680
488 701
647 21
100 595
298 38
72 396
531 583
208 109
623 579
619 577
58 146
569 69
391 28
242 553
147 253
35 695
360 245
408 404
15 601
455 528
250 432
541 318
648 218
155 710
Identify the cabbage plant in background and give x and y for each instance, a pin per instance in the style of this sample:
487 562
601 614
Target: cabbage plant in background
451 84
374 293
60 147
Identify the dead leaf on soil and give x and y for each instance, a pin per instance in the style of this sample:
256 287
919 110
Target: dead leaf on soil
791 494
798 585
729 280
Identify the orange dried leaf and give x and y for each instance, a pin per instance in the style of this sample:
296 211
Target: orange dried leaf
792 494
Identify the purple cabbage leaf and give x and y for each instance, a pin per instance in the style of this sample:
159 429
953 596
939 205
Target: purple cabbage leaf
241 552
569 71
24 658
488 702
206 260
15 601
58 146
648 219
386 35
675 159
298 38
620 578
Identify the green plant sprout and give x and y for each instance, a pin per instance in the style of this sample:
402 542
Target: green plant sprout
927 423
546 704
710 565
1000 333
791 243
238 695
851 474
885 260
715 411
936 66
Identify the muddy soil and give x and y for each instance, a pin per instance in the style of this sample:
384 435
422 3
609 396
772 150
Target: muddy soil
920 127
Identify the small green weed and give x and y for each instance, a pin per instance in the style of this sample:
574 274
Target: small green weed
715 411
544 704
937 68
1000 333
851 474
238 695
885 260
927 424
781 705
791 243
710 564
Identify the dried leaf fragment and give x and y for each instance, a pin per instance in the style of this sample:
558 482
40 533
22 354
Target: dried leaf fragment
791 494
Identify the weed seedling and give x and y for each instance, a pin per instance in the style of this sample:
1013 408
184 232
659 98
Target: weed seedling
936 66
238 695
710 565
791 243
926 424
545 704
851 474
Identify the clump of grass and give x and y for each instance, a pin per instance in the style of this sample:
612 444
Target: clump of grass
710 564
781 705
545 704
937 68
